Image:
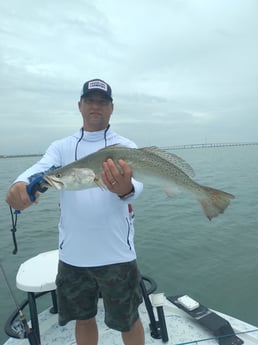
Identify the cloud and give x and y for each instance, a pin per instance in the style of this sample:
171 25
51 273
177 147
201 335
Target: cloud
185 70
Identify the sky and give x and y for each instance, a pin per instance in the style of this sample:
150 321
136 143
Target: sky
181 71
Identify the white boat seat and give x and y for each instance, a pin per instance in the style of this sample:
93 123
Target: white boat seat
38 274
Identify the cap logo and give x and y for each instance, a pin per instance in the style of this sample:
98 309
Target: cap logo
97 84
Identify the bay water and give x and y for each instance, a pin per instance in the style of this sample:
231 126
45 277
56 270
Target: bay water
215 262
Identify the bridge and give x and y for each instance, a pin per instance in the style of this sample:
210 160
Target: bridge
172 147
207 145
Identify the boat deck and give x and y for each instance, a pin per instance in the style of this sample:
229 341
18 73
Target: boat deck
182 330
165 316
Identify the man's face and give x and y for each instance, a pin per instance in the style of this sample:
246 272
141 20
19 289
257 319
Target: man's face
96 110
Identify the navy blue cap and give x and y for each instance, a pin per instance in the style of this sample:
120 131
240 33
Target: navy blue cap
96 85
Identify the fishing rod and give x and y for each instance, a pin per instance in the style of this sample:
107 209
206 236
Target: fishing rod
24 331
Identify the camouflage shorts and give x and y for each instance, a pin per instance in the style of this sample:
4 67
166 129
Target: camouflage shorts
78 290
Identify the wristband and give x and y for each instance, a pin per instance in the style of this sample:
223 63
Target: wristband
127 195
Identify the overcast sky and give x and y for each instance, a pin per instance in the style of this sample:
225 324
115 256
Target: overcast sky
182 71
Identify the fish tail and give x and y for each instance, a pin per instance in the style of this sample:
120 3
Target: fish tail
214 201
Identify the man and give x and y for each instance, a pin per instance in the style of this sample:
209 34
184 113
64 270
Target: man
96 248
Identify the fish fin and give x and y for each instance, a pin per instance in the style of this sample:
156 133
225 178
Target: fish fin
171 192
171 158
214 201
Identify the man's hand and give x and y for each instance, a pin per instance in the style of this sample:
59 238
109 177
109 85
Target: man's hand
18 198
117 180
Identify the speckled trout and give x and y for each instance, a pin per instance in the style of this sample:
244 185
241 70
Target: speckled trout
148 164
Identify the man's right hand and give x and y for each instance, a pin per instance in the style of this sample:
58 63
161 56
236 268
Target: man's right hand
18 198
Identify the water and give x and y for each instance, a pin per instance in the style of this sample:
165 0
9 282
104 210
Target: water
214 262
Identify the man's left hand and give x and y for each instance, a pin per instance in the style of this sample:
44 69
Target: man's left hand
117 180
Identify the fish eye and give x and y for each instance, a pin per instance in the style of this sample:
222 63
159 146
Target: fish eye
58 175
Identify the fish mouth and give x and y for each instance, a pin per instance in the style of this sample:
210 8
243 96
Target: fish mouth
54 182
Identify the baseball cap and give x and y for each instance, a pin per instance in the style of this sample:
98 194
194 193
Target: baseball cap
96 85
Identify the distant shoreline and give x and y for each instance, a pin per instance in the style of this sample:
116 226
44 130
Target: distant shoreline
24 155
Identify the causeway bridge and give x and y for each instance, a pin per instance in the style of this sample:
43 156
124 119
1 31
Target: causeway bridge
171 147
207 145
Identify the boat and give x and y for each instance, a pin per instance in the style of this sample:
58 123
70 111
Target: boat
174 319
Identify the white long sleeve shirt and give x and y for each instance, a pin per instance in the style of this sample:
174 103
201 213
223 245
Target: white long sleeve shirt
96 226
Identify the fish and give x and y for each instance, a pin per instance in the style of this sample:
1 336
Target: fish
151 163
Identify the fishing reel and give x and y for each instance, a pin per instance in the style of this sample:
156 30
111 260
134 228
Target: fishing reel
18 329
